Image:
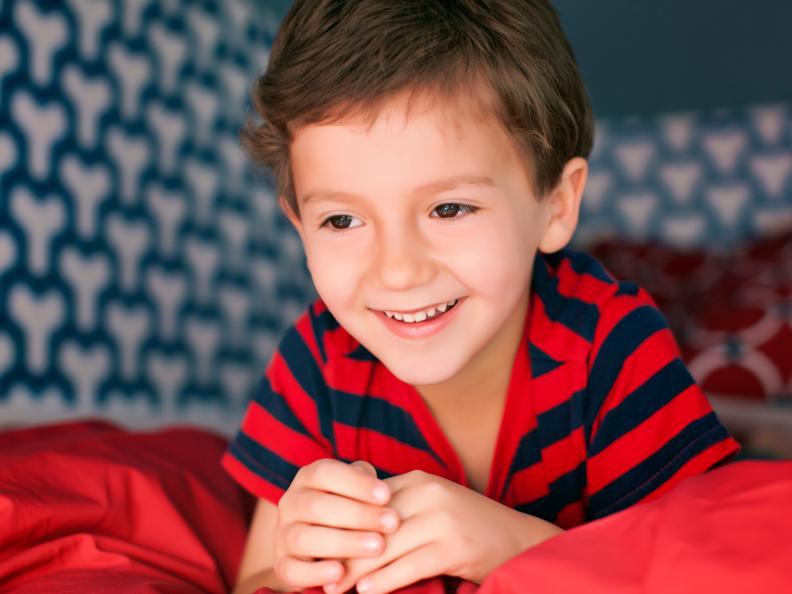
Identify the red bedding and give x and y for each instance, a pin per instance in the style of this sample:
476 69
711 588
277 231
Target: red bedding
88 507
727 531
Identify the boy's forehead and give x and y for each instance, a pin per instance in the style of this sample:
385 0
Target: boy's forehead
454 128
454 111
450 136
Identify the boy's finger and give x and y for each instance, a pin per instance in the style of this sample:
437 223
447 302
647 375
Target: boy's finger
321 542
365 467
341 478
423 562
327 509
307 574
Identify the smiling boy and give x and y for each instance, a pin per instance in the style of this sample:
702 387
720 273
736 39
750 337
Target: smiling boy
465 387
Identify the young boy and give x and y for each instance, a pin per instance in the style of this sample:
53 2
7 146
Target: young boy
465 387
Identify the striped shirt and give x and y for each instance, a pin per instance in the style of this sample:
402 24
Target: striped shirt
601 412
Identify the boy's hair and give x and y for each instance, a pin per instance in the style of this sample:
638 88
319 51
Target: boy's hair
333 59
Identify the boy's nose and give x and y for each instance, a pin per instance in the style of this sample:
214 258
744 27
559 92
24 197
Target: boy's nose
403 261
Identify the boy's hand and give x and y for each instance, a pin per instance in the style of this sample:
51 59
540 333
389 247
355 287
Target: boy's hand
446 530
331 511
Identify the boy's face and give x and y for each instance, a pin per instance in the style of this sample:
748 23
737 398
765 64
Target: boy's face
379 236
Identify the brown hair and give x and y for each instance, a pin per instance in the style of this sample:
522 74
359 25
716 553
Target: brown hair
335 58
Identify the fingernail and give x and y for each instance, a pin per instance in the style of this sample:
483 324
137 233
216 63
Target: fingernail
333 573
371 544
380 493
363 585
330 588
389 521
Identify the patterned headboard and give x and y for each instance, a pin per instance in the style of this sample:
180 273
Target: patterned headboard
691 179
145 273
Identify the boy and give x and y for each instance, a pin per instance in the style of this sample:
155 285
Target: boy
465 387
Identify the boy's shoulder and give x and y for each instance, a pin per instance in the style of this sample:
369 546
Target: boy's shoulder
577 302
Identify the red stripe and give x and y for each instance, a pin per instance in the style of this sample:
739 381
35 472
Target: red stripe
364 378
615 311
306 330
528 484
564 456
251 481
633 448
698 465
288 444
554 338
586 287
558 386
384 452
652 355
572 515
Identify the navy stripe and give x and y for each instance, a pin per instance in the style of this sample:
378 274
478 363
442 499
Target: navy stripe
319 325
322 323
564 490
560 421
552 426
528 453
577 315
325 321
262 461
655 470
583 263
377 414
304 369
541 362
628 334
627 288
274 403
642 403
361 353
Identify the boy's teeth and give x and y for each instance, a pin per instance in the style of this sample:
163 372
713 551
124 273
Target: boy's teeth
421 315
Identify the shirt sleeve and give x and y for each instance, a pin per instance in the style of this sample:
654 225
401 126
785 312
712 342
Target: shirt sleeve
647 424
287 422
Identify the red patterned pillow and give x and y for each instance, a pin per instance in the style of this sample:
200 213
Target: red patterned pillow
731 312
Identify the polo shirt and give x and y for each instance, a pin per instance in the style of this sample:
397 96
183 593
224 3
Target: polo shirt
600 413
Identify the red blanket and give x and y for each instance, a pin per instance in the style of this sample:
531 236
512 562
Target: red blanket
88 508
727 531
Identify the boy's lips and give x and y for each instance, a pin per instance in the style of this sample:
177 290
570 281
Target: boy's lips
420 309
421 329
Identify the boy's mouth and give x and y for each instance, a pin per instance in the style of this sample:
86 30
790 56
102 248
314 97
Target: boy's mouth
416 317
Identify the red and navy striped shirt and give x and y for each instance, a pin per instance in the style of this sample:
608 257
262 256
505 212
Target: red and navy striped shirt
601 412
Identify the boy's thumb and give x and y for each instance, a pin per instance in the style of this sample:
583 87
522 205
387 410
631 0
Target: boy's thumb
364 466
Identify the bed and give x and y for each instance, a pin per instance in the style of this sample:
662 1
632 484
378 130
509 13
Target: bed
88 507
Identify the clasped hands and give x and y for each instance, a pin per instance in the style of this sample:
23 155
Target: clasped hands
339 526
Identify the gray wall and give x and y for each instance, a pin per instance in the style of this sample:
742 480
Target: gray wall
649 56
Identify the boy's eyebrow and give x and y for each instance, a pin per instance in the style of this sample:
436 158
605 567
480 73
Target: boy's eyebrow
433 187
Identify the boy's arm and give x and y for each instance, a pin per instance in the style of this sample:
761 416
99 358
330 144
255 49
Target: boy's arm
256 569
647 424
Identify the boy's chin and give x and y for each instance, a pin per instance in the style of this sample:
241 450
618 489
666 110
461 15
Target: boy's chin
423 372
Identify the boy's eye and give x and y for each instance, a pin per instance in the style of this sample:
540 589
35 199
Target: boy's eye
339 222
449 210
452 210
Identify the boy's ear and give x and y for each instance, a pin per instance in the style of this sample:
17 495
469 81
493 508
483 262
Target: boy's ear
294 219
563 206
